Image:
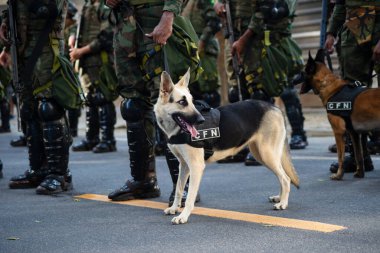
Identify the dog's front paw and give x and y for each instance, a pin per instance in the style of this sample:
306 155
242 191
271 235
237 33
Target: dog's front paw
280 206
336 176
274 199
179 220
171 210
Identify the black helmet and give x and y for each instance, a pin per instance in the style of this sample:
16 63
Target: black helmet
72 9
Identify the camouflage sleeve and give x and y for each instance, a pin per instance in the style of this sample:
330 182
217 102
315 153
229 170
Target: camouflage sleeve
174 6
257 20
337 19
212 23
104 39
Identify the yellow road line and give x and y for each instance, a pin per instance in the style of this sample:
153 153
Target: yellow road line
232 215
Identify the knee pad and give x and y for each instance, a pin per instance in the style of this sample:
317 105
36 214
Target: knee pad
289 96
49 110
132 110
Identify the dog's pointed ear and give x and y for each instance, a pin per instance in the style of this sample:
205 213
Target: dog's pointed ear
311 66
166 86
320 57
185 79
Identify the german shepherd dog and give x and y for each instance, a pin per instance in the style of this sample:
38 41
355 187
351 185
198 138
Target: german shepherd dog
365 114
257 124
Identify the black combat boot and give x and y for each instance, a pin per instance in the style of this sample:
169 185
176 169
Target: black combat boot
347 147
349 162
142 163
73 116
38 170
57 141
373 144
5 116
92 130
173 165
107 126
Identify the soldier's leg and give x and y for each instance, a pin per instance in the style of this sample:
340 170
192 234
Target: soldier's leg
293 110
57 140
33 132
141 137
73 116
92 126
107 127
5 116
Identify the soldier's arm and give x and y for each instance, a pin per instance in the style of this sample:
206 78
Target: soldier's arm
335 23
103 40
337 19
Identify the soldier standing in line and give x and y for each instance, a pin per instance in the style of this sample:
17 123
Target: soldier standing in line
251 21
70 28
48 87
357 22
4 99
141 41
98 78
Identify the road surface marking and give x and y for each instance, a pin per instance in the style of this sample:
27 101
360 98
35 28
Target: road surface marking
232 215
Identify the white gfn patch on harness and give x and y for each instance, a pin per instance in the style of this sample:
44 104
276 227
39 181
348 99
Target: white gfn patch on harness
344 105
205 134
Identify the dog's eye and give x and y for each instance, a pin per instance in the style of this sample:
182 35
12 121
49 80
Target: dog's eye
183 102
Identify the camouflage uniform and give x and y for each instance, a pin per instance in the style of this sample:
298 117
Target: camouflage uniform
42 108
357 23
4 99
96 31
355 48
70 29
139 89
206 24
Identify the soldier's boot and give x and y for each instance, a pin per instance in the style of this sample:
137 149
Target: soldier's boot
5 116
349 162
92 130
347 147
107 127
373 144
57 141
173 165
296 120
73 116
141 137
37 168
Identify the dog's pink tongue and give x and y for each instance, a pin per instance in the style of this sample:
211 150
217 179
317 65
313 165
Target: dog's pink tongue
192 130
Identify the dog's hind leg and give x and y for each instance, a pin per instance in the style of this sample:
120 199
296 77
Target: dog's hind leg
194 158
358 152
270 154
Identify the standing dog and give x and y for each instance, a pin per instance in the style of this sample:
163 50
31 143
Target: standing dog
257 124
365 110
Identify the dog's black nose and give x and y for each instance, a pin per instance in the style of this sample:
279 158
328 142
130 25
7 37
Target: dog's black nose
200 119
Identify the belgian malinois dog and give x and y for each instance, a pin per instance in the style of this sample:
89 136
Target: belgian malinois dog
258 124
363 116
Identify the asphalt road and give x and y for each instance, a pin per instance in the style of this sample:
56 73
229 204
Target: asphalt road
70 223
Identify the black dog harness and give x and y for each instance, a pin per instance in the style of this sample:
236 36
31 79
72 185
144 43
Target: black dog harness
341 103
208 131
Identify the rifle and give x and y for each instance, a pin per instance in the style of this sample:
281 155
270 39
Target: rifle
229 34
14 42
76 44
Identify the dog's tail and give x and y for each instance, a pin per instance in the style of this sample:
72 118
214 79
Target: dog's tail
287 164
